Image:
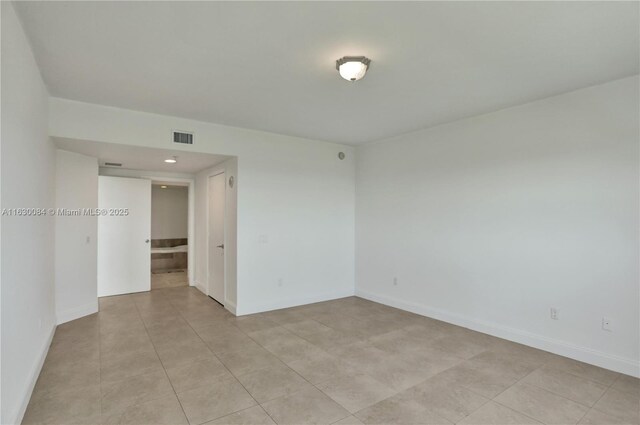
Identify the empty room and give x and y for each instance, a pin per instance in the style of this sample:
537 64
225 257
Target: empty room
320 212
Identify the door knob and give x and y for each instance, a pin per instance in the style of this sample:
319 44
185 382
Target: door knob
220 246
147 241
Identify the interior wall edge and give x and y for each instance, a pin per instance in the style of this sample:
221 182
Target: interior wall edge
77 312
555 346
311 299
232 307
200 287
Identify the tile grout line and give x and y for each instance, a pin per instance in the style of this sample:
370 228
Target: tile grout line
222 363
515 383
164 369
550 392
600 398
291 369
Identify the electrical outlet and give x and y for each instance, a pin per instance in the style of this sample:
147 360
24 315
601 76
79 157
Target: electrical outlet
606 324
395 281
555 313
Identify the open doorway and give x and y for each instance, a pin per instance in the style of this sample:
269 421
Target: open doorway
126 177
169 235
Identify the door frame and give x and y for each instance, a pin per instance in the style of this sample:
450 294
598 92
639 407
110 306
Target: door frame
191 269
211 174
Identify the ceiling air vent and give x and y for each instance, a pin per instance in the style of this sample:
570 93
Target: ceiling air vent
183 137
113 164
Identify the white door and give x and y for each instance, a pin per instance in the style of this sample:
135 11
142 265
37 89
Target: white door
124 249
217 187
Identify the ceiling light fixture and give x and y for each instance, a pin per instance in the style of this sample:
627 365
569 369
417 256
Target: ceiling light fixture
353 68
163 187
171 160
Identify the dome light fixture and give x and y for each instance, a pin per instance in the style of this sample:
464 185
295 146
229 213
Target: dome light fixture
353 68
171 160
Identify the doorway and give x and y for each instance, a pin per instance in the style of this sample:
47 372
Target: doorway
169 235
216 237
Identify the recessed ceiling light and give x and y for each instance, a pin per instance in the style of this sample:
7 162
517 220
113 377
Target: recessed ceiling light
163 187
171 160
353 68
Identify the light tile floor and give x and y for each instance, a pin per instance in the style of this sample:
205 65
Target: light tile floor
174 356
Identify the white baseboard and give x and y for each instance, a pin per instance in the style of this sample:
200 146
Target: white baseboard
293 302
230 306
77 312
562 348
33 378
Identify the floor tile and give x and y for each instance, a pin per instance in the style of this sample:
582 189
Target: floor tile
224 397
625 406
583 370
76 406
627 384
252 323
196 374
271 335
129 364
595 417
483 379
172 355
542 405
458 347
566 385
508 363
306 328
355 392
320 366
310 406
61 377
250 360
382 364
162 411
395 410
272 382
292 349
496 414
448 401
349 420
332 339
252 416
228 342
118 396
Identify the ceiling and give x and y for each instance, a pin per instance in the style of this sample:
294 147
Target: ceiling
271 65
141 158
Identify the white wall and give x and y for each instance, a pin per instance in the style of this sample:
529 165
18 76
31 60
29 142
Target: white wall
295 192
28 181
76 253
490 221
169 212
230 168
